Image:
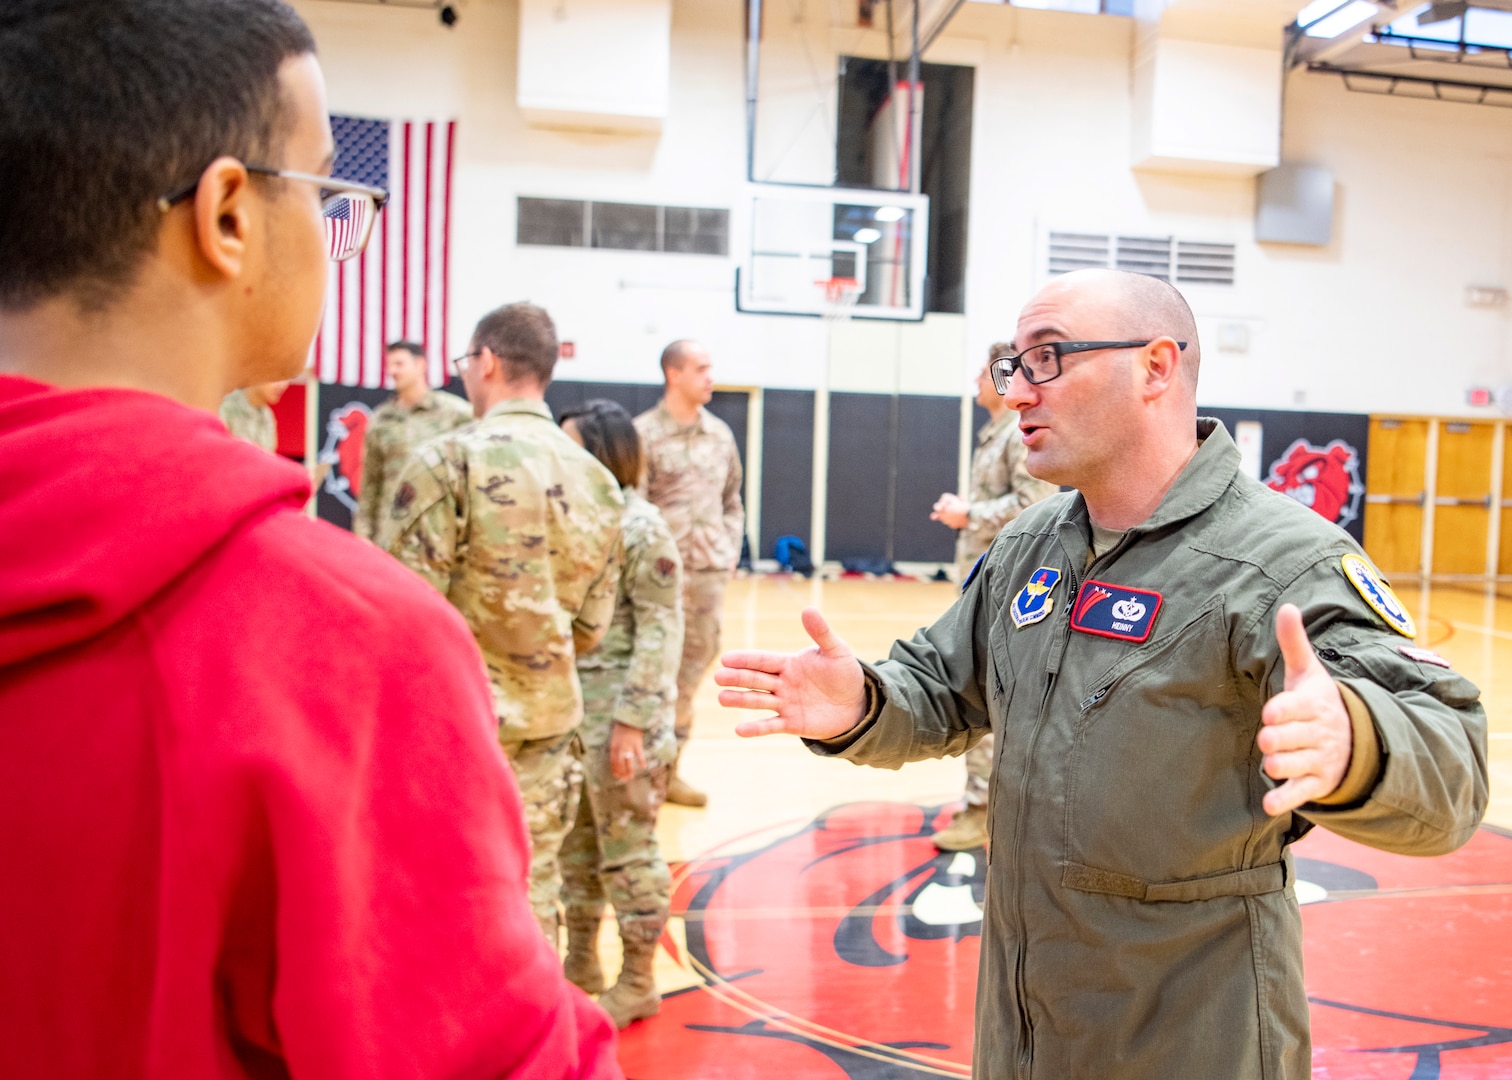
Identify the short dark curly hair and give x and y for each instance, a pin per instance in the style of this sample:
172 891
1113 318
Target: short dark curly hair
107 105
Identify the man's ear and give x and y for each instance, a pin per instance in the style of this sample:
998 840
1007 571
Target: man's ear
488 362
1162 367
223 214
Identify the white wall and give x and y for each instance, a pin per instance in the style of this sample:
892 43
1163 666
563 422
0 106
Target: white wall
1374 322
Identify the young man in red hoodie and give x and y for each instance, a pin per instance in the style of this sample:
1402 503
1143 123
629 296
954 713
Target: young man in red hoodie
254 820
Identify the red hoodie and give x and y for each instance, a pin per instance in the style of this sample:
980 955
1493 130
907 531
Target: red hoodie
253 818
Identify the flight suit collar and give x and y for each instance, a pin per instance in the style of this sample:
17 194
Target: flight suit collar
522 405
677 425
1206 477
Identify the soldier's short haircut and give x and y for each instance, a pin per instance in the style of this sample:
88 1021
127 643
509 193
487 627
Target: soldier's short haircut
414 348
524 339
108 105
676 354
609 434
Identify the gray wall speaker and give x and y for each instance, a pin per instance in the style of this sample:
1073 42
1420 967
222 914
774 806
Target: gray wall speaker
1294 205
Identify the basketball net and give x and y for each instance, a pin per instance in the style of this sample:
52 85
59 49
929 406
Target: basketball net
840 296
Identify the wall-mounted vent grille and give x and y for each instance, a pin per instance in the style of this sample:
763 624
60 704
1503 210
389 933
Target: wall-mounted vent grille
1186 262
622 226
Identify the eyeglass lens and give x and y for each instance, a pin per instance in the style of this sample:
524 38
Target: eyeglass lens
348 221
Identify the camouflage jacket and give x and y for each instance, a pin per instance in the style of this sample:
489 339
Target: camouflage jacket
638 659
693 476
392 436
519 527
1000 487
255 423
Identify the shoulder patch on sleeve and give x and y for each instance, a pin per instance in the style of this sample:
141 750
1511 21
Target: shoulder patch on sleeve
1377 594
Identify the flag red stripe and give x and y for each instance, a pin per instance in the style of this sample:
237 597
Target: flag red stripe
451 147
430 145
404 255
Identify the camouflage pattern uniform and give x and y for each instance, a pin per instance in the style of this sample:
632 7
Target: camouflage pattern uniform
255 423
1000 487
518 526
392 436
693 475
631 678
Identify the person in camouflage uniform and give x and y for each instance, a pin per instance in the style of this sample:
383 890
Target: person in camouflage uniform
518 526
248 414
414 414
628 744
693 475
1000 488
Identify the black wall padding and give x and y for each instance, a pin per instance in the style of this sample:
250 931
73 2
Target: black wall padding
637 397
929 434
860 477
787 469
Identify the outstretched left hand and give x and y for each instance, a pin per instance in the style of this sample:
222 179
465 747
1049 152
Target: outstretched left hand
1306 737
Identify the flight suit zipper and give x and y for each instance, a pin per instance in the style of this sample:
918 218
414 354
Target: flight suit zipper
1057 654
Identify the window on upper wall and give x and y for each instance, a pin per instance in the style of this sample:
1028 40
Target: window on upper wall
1182 262
622 226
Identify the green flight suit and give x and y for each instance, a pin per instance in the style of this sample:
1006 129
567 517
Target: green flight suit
1140 918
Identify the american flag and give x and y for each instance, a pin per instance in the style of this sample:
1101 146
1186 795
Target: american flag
398 287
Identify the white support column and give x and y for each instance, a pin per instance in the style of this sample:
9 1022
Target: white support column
755 421
818 518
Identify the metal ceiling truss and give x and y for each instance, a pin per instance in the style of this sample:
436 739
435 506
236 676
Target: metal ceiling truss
1413 86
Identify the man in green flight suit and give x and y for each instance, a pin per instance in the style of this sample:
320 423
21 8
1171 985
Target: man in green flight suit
1184 672
519 527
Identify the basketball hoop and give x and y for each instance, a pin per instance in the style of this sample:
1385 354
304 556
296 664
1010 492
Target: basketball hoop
840 296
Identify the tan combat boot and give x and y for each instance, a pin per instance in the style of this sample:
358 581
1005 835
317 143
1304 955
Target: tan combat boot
967 830
634 996
582 964
682 793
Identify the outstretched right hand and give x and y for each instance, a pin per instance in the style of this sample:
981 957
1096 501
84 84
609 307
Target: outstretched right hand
818 693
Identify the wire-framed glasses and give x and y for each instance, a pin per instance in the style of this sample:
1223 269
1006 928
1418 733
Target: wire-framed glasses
460 364
1042 363
347 209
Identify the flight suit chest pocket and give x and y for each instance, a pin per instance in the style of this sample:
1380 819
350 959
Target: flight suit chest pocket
1157 780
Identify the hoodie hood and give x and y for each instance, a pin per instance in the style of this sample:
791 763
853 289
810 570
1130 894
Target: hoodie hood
107 496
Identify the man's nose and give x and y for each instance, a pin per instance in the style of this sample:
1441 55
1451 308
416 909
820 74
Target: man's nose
1021 392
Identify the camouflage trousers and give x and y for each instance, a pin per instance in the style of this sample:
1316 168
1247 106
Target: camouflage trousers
612 852
703 604
549 789
979 771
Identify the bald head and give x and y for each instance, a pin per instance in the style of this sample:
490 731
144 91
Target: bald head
1143 307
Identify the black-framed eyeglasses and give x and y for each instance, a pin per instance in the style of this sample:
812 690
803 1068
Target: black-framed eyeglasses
348 209
1042 363
460 364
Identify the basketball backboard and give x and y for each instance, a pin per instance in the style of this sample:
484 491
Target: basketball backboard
801 237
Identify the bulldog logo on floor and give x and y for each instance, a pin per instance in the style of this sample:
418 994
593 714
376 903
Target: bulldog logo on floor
1326 478
848 950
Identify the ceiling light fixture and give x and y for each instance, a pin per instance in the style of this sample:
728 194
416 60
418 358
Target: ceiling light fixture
867 236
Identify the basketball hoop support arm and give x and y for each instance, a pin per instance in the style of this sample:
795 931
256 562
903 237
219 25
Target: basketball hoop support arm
753 78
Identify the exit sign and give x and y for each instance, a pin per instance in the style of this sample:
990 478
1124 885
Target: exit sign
1479 395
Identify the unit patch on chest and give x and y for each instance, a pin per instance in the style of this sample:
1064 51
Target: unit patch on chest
1115 611
1033 601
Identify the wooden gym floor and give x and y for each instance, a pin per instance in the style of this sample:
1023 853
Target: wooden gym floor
788 955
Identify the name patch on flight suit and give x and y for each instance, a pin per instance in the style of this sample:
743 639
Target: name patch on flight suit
1115 611
1033 601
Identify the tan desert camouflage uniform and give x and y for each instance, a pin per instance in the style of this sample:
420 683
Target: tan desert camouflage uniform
392 436
1000 487
255 423
631 678
519 527
693 475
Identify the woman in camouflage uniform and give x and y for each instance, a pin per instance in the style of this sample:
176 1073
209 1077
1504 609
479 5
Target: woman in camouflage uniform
629 689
